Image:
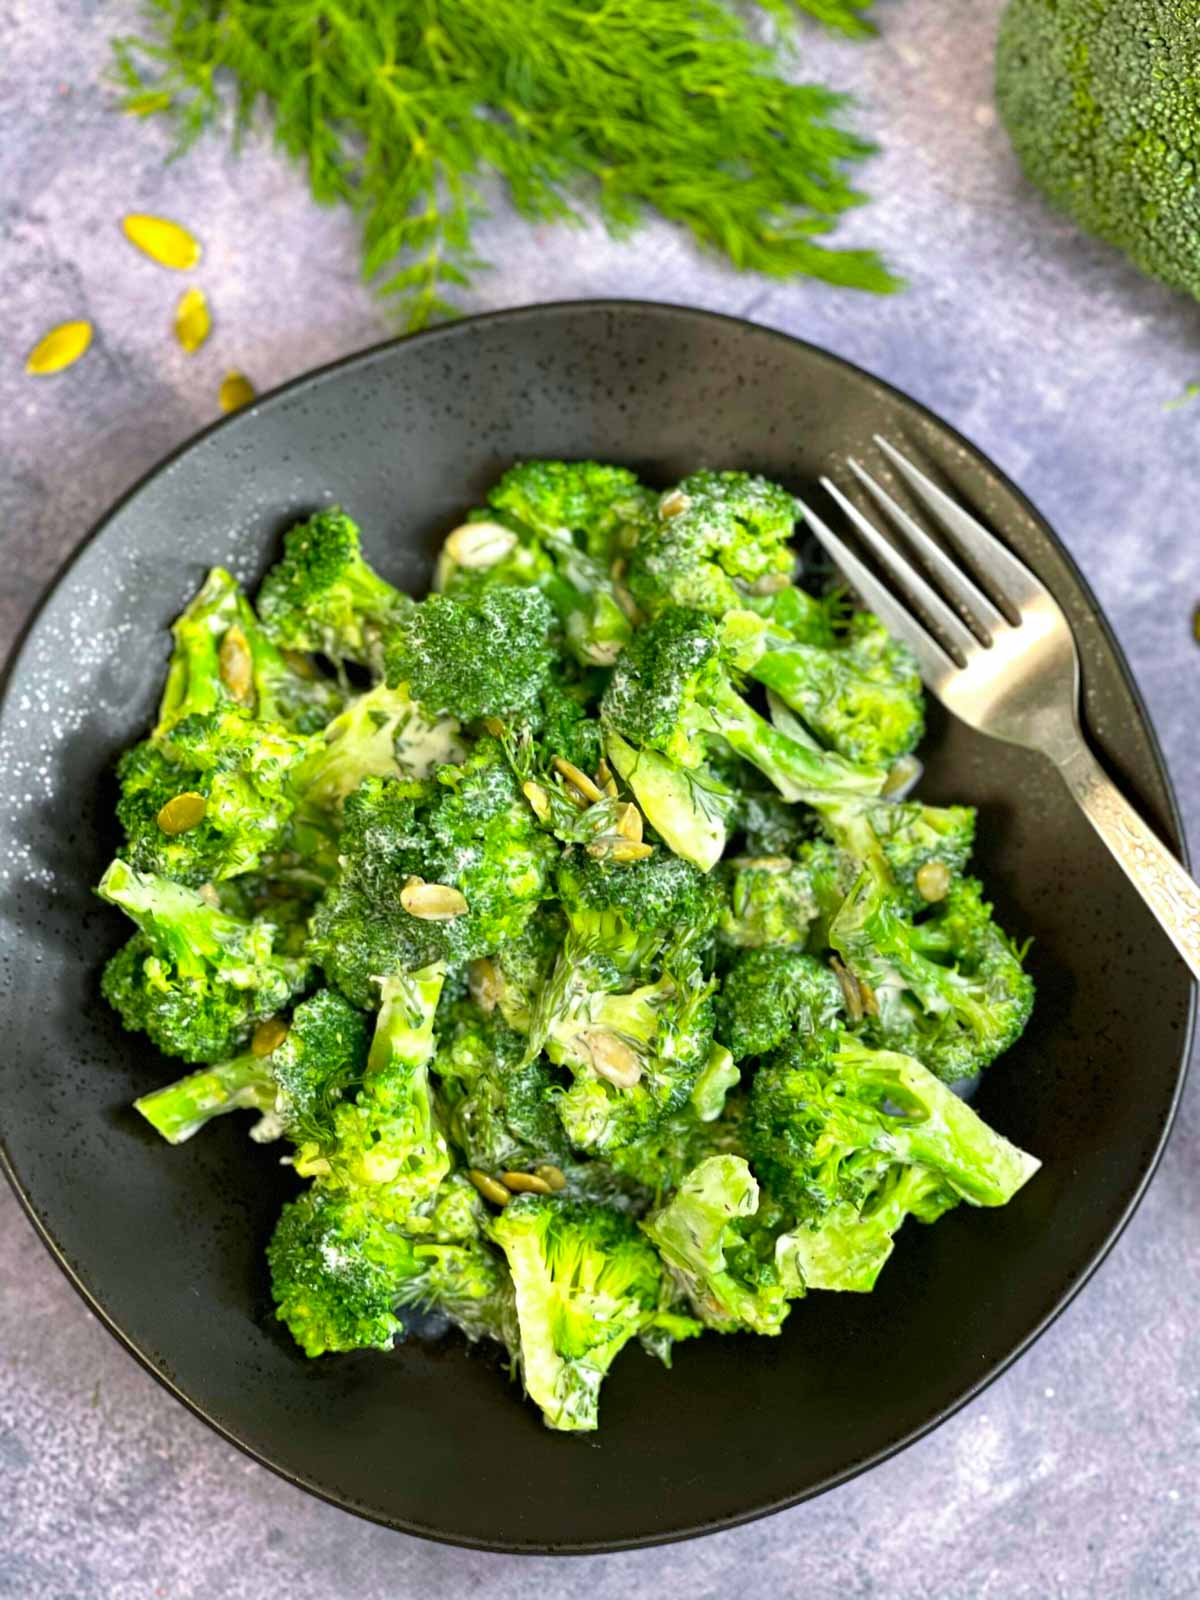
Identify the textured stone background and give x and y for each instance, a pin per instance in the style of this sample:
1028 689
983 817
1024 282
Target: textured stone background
1076 1473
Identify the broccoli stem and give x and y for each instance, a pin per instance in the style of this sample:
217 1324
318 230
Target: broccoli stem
404 1035
182 1108
689 809
177 920
797 771
194 675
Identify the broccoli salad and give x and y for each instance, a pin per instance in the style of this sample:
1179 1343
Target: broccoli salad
566 929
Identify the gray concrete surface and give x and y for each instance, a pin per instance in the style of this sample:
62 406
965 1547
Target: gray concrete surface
1076 1473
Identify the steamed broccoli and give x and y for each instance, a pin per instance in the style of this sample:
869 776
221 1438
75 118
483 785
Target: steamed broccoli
210 798
484 655
689 807
632 910
769 993
671 691
449 869
383 733
222 657
291 1075
716 1241
587 504
497 1102
1100 102
923 848
715 538
323 596
830 1117
586 1283
196 980
771 901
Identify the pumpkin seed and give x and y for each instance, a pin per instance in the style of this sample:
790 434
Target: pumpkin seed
629 823
488 1187
628 604
479 544
554 1176
236 665
579 779
235 392
627 850
539 800
59 348
851 993
611 1058
606 780
182 812
268 1036
484 983
494 726
192 321
524 1183
673 504
163 241
432 902
769 583
602 653
933 881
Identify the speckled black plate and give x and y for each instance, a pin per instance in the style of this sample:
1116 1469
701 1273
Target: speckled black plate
167 1245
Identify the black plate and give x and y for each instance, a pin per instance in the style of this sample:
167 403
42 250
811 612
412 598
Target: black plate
166 1245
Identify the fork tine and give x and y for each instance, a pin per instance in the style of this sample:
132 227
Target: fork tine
1012 578
935 663
955 582
956 630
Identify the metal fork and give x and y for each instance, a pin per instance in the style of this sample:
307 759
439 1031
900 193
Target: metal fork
1014 676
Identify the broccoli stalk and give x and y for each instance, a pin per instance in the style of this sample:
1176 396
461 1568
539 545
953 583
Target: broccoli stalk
848 1249
689 807
182 1108
193 978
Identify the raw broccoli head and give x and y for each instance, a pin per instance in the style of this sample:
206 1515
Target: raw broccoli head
830 1116
485 655
293 1082
628 911
715 536
235 776
949 987
718 1242
861 697
470 830
769 993
770 900
497 1102
586 1283
193 978
323 596
595 505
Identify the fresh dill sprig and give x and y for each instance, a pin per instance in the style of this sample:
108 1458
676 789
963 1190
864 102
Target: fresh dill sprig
399 108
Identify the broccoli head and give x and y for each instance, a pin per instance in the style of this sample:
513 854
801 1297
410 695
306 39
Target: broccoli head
586 1283
923 848
716 1238
716 537
209 799
630 911
497 1103
596 507
449 869
194 978
771 901
322 596
767 994
485 655
383 733
1100 103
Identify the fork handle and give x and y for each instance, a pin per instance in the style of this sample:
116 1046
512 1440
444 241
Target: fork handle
1171 894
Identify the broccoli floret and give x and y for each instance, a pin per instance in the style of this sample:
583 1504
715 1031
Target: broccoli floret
634 1056
1100 103
468 831
591 505
771 901
193 978
209 799
767 994
293 1078
632 910
380 734
769 826
715 1239
830 1117
485 655
671 692
512 979
323 596
861 696
660 1160
924 848
586 1283
949 988
387 1139
715 537
497 1102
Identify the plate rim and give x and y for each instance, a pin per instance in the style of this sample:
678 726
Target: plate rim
462 327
